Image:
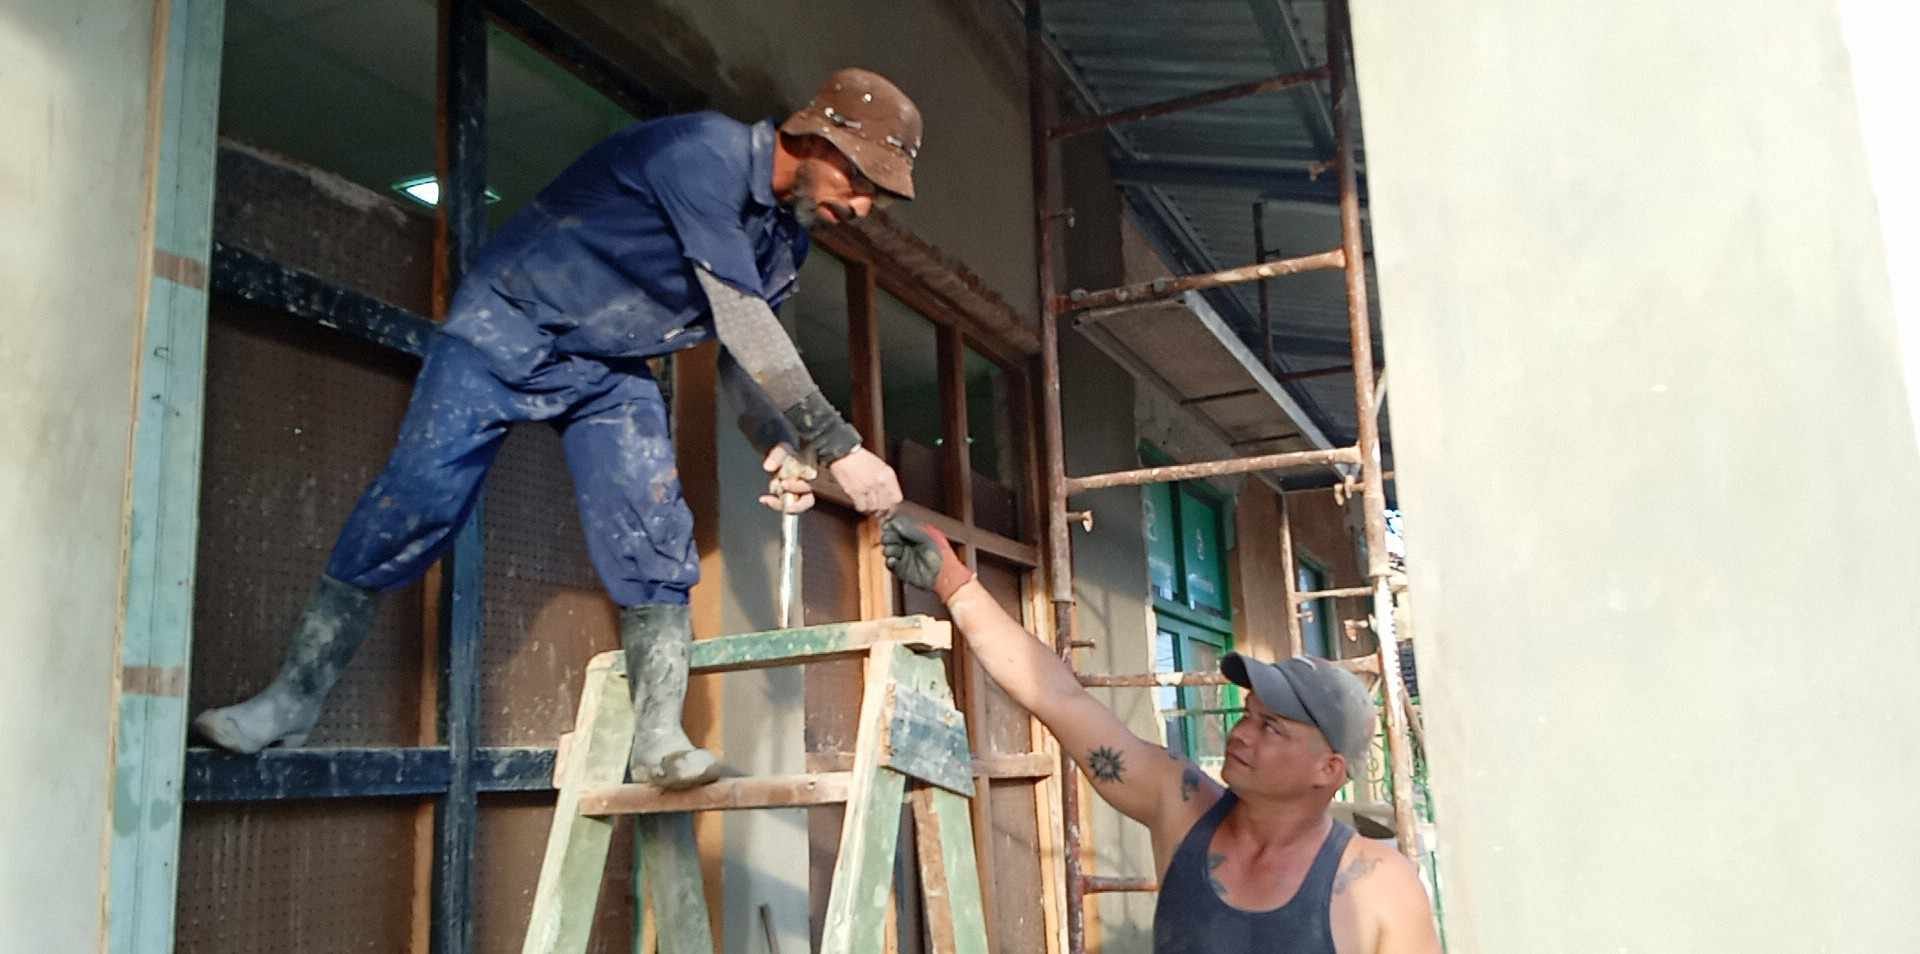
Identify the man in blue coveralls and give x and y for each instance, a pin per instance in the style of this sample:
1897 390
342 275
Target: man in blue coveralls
669 233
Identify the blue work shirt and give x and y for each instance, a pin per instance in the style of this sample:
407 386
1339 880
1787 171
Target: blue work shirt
601 262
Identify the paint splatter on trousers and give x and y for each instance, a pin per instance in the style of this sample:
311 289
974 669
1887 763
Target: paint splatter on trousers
613 426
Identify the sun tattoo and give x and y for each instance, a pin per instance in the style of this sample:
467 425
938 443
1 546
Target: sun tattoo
1104 764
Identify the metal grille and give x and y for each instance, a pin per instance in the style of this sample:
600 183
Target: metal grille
299 420
545 609
298 877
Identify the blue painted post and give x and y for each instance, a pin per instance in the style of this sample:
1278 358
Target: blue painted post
156 637
462 227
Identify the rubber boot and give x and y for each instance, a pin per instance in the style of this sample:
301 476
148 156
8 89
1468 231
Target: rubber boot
656 639
334 624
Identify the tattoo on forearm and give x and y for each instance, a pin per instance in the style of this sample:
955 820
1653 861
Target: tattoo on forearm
1104 764
1360 868
1214 861
1189 783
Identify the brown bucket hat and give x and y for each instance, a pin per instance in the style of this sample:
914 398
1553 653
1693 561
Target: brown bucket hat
871 121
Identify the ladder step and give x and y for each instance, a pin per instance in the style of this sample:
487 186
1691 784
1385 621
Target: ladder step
764 791
807 644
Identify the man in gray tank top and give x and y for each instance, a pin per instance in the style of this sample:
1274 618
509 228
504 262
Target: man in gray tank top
1257 866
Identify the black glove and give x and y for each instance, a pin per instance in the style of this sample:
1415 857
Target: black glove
921 556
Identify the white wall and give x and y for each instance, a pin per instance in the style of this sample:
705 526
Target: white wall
73 182
1655 448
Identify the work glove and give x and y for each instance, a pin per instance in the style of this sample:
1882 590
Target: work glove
789 487
868 480
921 556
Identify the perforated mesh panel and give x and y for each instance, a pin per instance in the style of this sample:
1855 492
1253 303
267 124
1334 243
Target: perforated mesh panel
323 224
299 420
545 610
297 878
506 864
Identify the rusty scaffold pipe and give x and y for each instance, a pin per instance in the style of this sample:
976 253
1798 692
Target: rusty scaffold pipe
1373 497
1058 550
1221 94
1161 289
1292 460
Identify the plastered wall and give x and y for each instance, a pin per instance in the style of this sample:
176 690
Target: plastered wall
1651 414
75 186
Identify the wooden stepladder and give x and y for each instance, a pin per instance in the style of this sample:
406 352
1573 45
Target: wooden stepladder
911 746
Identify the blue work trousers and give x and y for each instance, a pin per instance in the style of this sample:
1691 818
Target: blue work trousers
613 425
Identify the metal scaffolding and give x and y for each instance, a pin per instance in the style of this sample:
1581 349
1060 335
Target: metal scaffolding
1364 454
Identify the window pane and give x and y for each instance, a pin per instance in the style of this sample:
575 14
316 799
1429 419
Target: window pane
910 392
1316 618
540 118
1210 725
347 87
1166 698
995 444
816 316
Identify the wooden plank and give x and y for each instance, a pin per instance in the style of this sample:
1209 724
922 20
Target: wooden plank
670 862
808 644
769 791
956 914
927 740
856 917
163 495
576 857
1024 765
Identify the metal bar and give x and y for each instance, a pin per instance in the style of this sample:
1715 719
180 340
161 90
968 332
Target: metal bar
1266 299
1238 465
460 228
375 772
1365 665
1283 42
1163 288
1101 884
1290 582
1341 593
255 278
1373 497
1315 373
1265 181
1059 559
1207 98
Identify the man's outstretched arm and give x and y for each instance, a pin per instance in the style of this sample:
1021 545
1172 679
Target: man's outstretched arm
1140 779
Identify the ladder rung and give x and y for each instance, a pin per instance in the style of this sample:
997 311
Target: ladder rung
769 791
1098 884
1216 468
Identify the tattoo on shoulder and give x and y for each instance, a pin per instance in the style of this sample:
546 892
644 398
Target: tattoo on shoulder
1360 868
1214 861
1105 764
1189 783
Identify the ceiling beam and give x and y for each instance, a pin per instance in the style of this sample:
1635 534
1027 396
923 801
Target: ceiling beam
1283 41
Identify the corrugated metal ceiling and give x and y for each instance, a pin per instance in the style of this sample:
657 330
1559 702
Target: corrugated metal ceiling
1194 177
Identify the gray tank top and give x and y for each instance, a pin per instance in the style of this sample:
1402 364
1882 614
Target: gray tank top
1191 919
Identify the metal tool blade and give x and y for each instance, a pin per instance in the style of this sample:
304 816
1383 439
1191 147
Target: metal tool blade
789 567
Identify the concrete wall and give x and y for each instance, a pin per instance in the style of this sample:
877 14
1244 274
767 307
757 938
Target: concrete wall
73 179
1652 418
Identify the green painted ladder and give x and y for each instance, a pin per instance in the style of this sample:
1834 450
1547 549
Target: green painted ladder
911 746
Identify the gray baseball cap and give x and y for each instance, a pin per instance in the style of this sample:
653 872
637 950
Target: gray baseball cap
1314 691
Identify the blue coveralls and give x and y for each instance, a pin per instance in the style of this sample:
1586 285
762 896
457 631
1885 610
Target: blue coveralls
554 323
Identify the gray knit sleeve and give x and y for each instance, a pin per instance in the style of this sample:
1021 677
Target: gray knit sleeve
759 420
751 333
